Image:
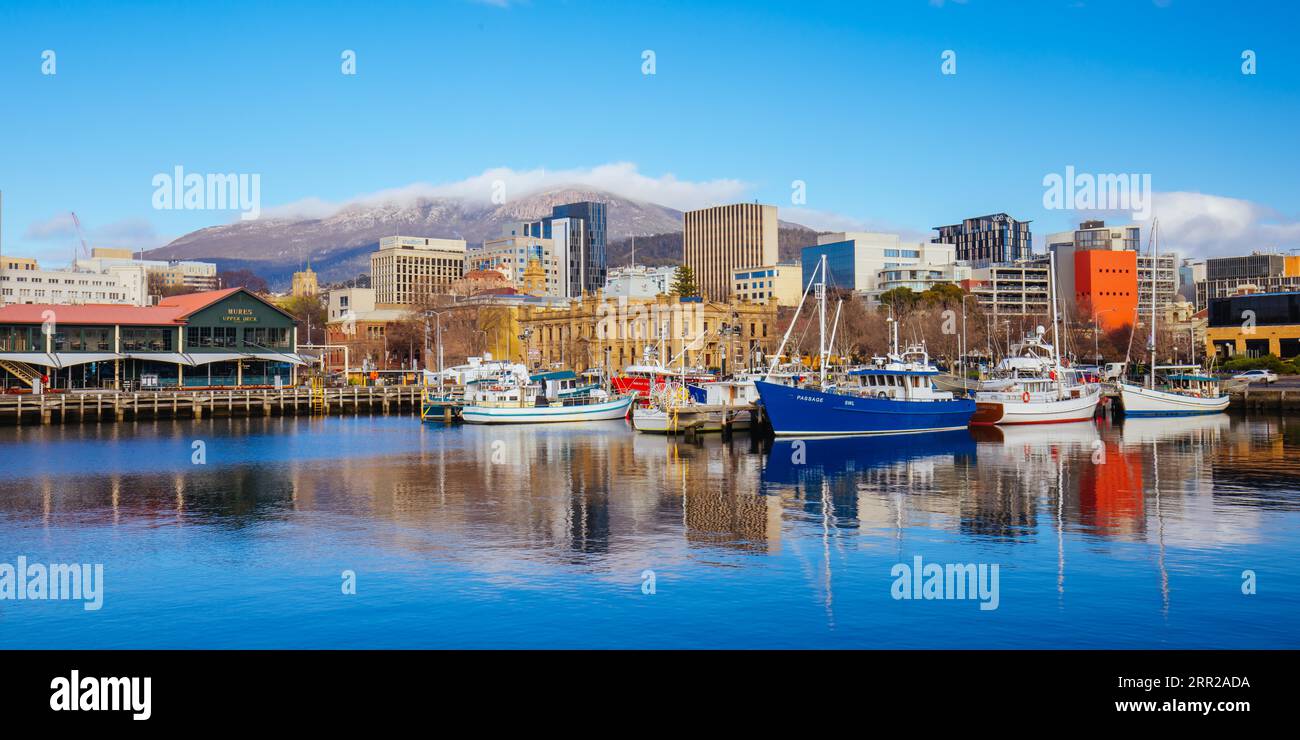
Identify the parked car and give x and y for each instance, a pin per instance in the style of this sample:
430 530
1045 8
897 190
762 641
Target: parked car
1255 376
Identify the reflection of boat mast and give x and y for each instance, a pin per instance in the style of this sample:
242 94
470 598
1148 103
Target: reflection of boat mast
1160 525
827 510
1060 536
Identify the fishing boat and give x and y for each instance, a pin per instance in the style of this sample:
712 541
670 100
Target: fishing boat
1032 386
1186 391
653 374
559 396
895 395
673 408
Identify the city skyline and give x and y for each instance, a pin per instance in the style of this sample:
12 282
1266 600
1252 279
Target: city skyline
1115 88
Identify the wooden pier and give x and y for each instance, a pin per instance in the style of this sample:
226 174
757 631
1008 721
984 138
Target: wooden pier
107 405
1260 398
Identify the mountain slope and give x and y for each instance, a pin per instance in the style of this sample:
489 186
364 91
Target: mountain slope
339 245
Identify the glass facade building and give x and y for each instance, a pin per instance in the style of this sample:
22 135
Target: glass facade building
841 264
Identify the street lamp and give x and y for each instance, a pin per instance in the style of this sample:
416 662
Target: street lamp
437 317
1096 351
961 360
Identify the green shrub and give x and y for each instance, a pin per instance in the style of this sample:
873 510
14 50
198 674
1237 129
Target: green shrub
1272 363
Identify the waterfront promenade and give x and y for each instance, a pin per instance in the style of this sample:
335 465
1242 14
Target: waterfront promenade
107 405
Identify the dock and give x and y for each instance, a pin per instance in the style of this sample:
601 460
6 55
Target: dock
107 405
1259 398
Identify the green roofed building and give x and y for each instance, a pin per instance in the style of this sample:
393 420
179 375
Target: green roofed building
217 338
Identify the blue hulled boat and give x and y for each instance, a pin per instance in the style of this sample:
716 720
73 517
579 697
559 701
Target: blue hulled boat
895 395
885 400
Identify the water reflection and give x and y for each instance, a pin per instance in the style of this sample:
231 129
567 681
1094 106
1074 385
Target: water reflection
1082 503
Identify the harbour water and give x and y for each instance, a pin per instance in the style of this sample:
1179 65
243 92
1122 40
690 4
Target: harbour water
1128 535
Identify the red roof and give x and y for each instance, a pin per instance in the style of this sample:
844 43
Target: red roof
171 310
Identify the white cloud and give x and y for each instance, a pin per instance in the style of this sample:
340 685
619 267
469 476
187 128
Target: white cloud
831 221
132 233
621 178
1204 225
55 227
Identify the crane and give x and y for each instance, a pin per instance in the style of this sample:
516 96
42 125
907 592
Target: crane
85 251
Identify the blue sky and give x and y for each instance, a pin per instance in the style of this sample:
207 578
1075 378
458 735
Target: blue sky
746 98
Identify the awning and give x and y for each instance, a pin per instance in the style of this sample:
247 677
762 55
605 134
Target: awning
206 358
69 359
58 359
174 358
29 358
279 357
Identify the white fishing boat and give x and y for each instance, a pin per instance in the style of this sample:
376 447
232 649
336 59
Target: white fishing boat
1032 386
1189 393
1186 391
674 409
551 397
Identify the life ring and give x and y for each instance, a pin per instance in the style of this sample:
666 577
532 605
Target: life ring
1025 397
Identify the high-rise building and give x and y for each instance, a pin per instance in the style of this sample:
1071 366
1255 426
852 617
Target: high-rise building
408 269
1259 271
513 252
1116 281
585 244
717 240
854 260
1013 290
1105 287
987 240
575 241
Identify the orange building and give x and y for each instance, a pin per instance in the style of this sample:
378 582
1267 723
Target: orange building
1105 286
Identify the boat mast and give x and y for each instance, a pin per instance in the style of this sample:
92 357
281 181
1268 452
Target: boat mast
821 318
1151 340
1056 337
786 337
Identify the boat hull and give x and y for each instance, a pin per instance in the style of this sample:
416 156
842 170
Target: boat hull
656 421
1006 412
1139 401
606 410
800 412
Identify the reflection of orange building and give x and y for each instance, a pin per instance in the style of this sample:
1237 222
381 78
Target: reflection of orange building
1105 286
1111 499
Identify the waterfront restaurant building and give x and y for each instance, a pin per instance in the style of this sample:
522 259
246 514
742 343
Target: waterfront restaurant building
217 338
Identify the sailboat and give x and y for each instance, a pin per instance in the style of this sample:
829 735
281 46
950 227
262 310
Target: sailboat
895 395
1034 387
1186 392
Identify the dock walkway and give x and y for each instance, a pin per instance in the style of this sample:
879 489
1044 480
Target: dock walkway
107 405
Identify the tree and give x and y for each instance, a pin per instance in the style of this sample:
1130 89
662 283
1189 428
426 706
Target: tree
684 283
901 299
310 314
243 278
943 294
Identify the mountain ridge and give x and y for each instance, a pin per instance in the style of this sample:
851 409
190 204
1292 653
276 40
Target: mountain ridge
339 245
